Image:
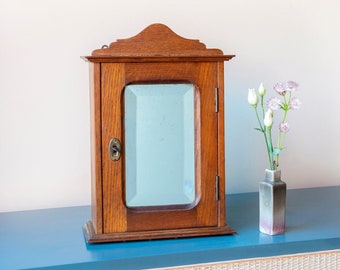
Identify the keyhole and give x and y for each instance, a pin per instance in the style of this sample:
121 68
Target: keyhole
114 149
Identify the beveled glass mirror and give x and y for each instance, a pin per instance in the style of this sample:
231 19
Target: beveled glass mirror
159 144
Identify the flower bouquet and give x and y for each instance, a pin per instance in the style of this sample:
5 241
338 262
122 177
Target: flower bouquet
285 102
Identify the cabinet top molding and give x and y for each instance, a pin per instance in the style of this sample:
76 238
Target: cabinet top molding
156 42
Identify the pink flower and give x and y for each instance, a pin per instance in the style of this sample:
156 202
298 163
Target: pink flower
274 103
295 103
280 89
284 127
290 86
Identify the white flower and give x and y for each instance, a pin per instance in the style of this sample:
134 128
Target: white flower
262 90
252 97
268 118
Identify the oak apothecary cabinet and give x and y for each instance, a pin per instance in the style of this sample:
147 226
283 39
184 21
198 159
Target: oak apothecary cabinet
157 138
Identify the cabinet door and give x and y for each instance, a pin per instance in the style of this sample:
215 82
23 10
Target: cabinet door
164 116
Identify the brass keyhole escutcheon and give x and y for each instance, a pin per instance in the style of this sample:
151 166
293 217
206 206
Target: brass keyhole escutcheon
114 149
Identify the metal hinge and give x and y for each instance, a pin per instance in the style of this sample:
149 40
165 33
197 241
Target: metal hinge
217 180
216 99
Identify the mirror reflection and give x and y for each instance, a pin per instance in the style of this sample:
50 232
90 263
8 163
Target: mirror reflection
159 144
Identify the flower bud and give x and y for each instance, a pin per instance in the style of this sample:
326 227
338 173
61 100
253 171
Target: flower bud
252 97
268 118
262 90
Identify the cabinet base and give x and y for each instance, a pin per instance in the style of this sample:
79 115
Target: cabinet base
92 237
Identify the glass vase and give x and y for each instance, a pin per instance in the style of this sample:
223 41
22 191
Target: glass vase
272 203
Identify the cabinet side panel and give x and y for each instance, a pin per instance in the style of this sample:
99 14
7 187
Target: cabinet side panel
221 143
207 144
114 211
96 172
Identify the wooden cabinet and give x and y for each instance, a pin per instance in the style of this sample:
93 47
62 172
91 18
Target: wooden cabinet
135 156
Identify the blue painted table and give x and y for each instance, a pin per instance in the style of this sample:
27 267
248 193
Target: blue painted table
53 238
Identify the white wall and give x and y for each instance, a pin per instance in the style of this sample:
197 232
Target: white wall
44 102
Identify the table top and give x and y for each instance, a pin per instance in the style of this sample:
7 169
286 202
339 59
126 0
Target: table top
53 238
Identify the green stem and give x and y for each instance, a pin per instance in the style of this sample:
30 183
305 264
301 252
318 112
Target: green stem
279 139
258 119
262 106
268 143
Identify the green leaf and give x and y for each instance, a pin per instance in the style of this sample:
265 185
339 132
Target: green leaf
259 129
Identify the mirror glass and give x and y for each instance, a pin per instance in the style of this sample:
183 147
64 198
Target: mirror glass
159 144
